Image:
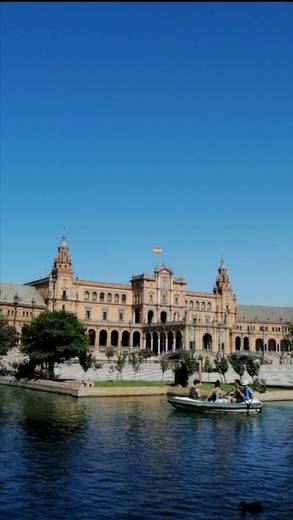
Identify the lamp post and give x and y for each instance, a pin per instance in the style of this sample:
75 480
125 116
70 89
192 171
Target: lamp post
54 278
194 334
15 304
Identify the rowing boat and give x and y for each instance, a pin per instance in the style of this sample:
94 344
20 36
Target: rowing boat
221 405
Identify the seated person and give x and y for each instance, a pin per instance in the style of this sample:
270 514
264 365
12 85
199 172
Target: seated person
216 392
236 396
194 391
247 392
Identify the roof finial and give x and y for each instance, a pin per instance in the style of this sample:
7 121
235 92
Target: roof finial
63 241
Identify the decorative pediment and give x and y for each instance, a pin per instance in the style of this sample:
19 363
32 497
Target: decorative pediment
164 270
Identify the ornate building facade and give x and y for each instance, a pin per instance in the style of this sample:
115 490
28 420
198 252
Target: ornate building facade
154 311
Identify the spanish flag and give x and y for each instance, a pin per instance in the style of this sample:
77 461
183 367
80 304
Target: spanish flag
157 250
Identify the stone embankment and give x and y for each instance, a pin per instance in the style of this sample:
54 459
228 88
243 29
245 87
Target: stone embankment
77 389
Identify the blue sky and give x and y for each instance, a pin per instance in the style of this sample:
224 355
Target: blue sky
131 126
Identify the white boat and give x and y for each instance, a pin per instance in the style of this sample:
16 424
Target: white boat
221 405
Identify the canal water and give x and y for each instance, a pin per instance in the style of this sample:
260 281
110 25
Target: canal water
138 458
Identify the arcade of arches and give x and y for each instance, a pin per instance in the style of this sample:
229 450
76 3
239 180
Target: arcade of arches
259 344
154 311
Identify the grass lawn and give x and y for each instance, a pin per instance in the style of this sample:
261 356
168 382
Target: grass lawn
113 384
206 387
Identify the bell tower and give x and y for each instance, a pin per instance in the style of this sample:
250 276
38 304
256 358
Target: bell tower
222 281
61 278
226 299
62 263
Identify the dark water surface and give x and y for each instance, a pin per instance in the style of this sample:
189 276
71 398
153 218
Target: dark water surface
139 458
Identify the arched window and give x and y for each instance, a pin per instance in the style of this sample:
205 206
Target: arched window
150 316
191 304
176 300
102 297
207 342
170 341
137 316
94 297
116 298
86 295
176 316
109 298
114 338
148 340
164 298
259 345
178 340
246 343
203 306
163 317
123 298
197 305
125 338
136 339
92 337
103 338
151 298
237 343
209 306
163 342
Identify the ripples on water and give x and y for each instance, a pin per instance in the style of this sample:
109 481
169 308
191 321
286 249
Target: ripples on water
139 458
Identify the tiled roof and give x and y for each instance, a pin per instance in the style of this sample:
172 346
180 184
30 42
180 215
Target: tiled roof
25 293
264 313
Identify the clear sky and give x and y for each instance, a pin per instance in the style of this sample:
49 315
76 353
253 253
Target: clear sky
131 126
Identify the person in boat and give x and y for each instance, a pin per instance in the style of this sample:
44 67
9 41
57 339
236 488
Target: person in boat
247 392
194 391
216 392
237 396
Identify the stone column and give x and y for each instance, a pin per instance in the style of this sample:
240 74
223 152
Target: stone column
173 342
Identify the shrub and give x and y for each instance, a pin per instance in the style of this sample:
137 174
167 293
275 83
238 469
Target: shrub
259 385
25 370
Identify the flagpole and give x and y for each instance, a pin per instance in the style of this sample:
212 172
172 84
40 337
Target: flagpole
158 251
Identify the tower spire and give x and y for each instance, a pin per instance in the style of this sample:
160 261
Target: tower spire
222 280
62 262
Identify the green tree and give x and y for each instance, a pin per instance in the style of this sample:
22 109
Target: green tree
145 353
221 366
120 363
86 360
135 360
8 336
53 337
252 365
190 362
164 363
237 361
109 353
208 367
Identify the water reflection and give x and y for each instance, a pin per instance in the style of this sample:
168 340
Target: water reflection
139 458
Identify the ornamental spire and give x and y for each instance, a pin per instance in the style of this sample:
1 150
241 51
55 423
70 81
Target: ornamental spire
222 280
62 262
